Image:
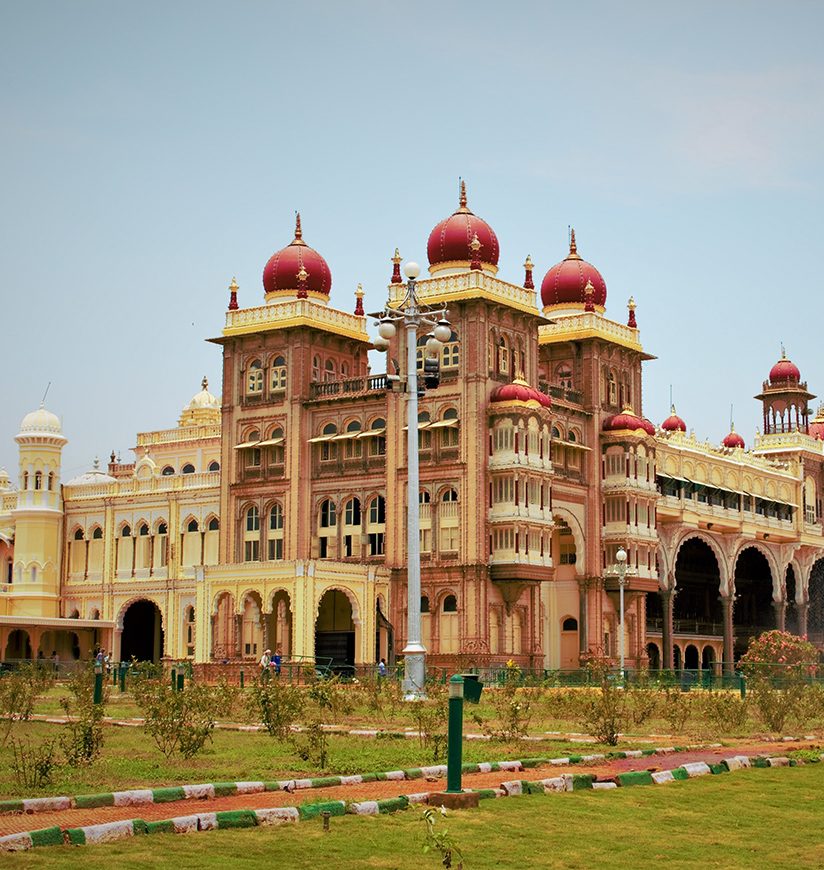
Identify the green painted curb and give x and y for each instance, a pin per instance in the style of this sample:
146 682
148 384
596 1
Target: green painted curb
635 777
680 773
582 780
416 773
392 805
272 786
718 768
531 787
485 793
224 789
140 827
165 827
760 761
90 801
47 836
236 819
324 781
313 811
11 806
527 763
469 767
647 752
575 759
167 795
77 836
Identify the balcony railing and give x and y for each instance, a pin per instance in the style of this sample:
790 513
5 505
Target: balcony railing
347 387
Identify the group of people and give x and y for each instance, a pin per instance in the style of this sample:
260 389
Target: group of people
270 664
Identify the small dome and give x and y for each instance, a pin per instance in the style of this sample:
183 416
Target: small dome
564 284
520 391
628 421
674 423
451 242
784 371
5 480
733 440
203 399
817 424
295 268
41 422
93 476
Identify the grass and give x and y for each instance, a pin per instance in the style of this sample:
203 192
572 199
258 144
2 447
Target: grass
757 818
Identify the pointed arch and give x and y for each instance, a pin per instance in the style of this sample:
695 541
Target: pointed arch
766 552
349 593
577 535
720 556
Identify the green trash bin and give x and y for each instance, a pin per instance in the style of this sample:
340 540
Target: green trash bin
472 688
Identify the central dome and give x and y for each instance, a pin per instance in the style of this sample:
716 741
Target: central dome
41 422
297 270
565 283
785 371
451 244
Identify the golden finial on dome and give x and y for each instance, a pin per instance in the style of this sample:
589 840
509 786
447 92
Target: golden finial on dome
359 312
573 248
234 284
462 198
397 258
528 264
233 288
631 304
298 229
631 322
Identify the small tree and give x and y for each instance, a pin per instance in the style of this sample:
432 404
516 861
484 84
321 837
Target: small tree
277 704
778 666
82 737
605 711
179 722
19 690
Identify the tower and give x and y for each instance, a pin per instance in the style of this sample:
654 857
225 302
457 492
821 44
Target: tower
38 517
785 397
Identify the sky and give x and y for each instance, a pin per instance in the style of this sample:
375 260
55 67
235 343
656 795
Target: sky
151 151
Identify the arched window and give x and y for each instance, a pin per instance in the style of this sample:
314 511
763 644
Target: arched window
328 520
25 480
143 547
424 433
125 532
570 624
214 465
189 624
254 379
328 514
448 521
97 534
424 604
612 389
38 480
449 426
192 526
330 371
376 525
214 524
167 471
143 530
424 497
274 444
449 495
315 368
274 533
377 437
450 604
78 535
451 353
353 448
352 528
50 481
328 447
425 520
503 356
277 382
251 535
188 468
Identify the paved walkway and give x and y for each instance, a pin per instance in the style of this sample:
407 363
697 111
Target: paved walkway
10 824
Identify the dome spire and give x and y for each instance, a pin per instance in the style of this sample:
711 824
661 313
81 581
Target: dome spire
359 303
204 383
589 293
631 322
529 284
462 197
573 247
298 240
396 268
233 288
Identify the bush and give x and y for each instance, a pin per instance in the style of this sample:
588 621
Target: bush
724 712
330 694
277 704
82 737
676 708
312 744
19 690
33 763
777 666
429 718
179 722
642 703
604 711
512 705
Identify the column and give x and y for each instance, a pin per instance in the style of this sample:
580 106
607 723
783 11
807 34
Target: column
780 608
212 629
583 621
666 630
265 619
802 618
238 635
729 636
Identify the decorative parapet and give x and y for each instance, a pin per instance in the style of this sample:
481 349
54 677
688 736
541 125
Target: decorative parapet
180 433
575 327
176 483
781 441
468 285
680 441
297 312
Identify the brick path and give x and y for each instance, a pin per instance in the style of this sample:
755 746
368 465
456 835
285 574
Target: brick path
14 823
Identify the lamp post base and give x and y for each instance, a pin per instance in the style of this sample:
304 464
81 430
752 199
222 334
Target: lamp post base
455 800
414 674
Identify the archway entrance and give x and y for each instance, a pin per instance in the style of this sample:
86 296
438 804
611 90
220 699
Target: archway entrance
280 625
691 657
142 632
708 659
384 635
815 613
697 608
18 646
654 657
753 612
335 632
791 609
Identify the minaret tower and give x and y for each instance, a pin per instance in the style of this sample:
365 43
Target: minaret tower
38 517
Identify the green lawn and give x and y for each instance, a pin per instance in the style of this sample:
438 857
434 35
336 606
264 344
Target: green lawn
756 818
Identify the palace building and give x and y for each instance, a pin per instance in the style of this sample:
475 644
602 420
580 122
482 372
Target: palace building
275 515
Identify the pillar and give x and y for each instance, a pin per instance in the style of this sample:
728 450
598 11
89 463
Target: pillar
729 636
802 618
238 635
266 619
780 608
212 629
666 630
583 621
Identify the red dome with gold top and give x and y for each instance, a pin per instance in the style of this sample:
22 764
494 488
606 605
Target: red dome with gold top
452 240
733 440
674 423
520 391
784 371
817 424
297 268
628 421
565 283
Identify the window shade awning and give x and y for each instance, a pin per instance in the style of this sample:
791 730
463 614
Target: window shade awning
271 442
320 438
371 432
442 424
247 445
346 436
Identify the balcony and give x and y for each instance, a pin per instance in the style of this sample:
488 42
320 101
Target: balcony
347 387
696 627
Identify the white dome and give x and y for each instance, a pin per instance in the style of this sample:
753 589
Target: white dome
203 399
41 422
95 475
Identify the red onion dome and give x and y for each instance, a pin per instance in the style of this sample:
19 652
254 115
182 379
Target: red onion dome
297 268
674 423
564 284
733 439
628 421
784 370
520 391
450 243
817 424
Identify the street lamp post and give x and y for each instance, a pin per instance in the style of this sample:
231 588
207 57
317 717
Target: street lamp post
621 571
409 314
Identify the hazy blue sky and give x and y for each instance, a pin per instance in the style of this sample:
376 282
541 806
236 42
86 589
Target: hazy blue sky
149 151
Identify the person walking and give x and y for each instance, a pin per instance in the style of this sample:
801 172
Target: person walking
276 661
382 669
265 661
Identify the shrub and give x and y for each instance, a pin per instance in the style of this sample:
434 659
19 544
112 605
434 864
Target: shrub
642 703
33 763
330 694
179 722
603 711
676 708
312 744
19 690
277 704
512 706
724 712
429 718
82 737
